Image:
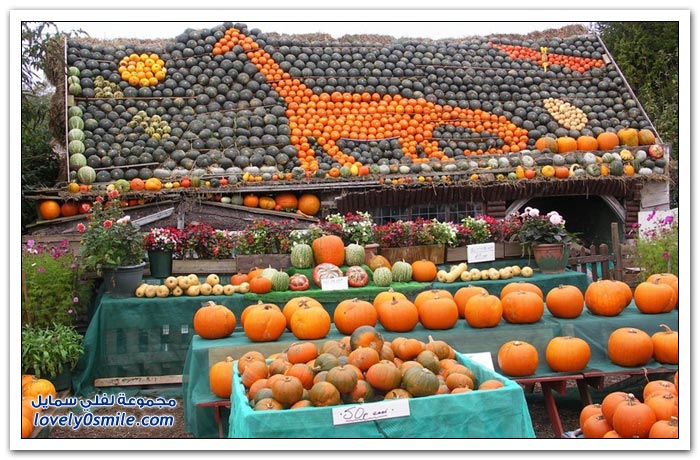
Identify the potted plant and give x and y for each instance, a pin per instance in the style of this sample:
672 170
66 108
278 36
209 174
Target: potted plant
161 243
51 352
112 245
547 238
264 243
352 228
413 240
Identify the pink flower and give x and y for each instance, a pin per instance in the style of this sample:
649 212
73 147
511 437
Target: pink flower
665 255
99 199
123 220
81 227
107 224
112 193
555 219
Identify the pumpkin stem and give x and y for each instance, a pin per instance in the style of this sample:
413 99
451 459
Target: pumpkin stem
673 421
666 328
430 338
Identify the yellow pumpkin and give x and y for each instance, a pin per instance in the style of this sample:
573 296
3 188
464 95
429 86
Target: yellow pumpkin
267 202
548 171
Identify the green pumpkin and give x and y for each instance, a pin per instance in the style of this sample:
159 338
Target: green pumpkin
608 157
354 254
269 273
558 160
401 272
86 175
75 89
237 199
420 381
73 71
382 277
280 281
77 161
303 256
345 172
76 135
75 111
593 170
616 168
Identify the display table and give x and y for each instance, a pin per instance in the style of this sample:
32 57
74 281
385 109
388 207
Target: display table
500 413
150 337
202 354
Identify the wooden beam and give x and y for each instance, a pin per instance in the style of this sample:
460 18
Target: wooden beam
135 381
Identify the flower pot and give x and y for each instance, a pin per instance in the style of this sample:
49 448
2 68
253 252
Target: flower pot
161 263
122 281
371 250
458 254
551 258
63 380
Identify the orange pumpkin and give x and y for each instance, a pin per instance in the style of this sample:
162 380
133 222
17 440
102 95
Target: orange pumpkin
546 142
378 261
430 295
561 172
407 349
266 202
666 278
424 271
463 295
611 401
386 296
301 352
37 387
664 406
587 143
329 249
383 376
587 411
353 313
521 286
239 278
309 204
633 419
288 201
363 358
309 323
658 387
607 141
303 372
654 297
255 306
264 324
153 184
69 208
517 358
251 201
596 426
398 315
324 394
27 427
287 390
247 358
49 209
483 310
565 301
630 137
368 337
214 321
260 285
294 304
137 184
438 313
255 272
605 298
254 371
567 354
522 307
664 429
665 346
221 375
630 347
566 144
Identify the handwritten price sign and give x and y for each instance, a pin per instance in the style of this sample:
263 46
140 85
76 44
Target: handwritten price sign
383 410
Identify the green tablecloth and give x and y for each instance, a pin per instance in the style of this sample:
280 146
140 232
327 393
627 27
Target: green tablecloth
202 353
498 413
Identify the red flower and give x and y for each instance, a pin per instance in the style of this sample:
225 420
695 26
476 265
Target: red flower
81 227
99 199
107 224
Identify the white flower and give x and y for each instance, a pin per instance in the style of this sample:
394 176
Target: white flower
123 220
534 212
555 219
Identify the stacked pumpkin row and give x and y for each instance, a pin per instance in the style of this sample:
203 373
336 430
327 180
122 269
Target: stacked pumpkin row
622 415
32 388
359 368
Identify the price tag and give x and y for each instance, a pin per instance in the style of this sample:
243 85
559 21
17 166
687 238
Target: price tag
484 358
334 284
484 252
382 410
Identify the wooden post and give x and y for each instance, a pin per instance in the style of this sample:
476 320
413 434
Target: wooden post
617 252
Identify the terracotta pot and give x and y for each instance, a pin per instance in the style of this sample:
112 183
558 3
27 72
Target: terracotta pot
551 258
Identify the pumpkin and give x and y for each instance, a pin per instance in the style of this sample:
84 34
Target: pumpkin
491 384
329 249
587 143
664 429
255 272
325 271
419 381
248 358
264 324
407 349
309 323
220 377
423 271
566 144
324 394
239 278
298 282
382 277
344 378
325 362
669 279
665 346
595 427
36 387
309 204
266 202
363 358
630 347
353 313
301 352
654 297
214 321
335 347
49 209
295 303
287 390
610 402
587 411
363 392
258 385
27 427
522 307
377 261
483 310
429 360
302 256
69 208
567 354
657 388
153 184
607 141
398 315
357 276
605 298
304 373
546 142
401 272
565 301
633 419
629 137
626 290
287 201
664 406
441 348
386 296
278 366
383 376
267 404
464 294
251 201
398 393
260 285
368 337
646 137
458 380
354 254
521 286
438 313
430 295
517 358
280 281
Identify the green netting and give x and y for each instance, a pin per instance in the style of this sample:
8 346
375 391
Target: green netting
498 413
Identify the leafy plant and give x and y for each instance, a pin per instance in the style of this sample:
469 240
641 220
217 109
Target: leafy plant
110 238
264 236
478 228
548 229
355 228
45 350
163 239
657 246
54 290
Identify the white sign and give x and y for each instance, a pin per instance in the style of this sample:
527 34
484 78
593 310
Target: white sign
484 358
334 284
389 408
484 252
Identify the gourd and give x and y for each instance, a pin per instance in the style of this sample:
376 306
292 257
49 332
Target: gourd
454 273
401 272
354 254
382 277
280 281
302 256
